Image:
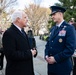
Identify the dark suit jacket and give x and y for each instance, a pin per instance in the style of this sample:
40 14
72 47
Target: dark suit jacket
17 53
61 45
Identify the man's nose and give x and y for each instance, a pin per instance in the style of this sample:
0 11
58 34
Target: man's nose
27 20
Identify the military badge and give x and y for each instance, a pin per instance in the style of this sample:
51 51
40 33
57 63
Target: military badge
62 33
60 40
64 27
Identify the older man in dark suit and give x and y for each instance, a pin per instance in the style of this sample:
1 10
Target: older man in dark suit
16 47
60 45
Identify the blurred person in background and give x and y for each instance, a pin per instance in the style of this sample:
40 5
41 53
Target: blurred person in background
71 21
32 40
74 55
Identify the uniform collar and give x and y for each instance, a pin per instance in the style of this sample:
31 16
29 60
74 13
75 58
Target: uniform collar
60 24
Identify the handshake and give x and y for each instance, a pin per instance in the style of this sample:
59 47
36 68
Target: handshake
34 52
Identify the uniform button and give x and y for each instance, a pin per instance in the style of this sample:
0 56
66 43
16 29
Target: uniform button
51 47
52 41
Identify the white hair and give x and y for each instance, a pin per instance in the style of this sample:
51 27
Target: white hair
16 14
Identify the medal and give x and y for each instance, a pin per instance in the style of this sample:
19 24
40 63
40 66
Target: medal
60 40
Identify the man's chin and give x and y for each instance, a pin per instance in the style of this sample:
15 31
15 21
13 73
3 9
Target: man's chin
25 25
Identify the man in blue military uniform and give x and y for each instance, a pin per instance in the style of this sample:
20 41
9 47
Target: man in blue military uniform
60 45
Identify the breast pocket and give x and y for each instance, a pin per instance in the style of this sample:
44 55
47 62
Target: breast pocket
61 39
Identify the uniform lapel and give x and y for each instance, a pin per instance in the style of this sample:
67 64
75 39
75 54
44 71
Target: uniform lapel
55 34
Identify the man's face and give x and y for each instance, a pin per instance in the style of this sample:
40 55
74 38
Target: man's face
71 22
56 16
23 21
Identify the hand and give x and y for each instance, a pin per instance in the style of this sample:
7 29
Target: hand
36 52
33 52
50 60
47 58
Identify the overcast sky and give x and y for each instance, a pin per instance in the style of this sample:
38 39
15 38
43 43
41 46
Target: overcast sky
44 3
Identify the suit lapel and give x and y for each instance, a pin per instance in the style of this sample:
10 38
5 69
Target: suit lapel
18 31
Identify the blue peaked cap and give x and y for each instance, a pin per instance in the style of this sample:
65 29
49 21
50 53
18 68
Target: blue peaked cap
57 9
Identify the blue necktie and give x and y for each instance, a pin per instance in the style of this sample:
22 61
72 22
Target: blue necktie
56 28
23 32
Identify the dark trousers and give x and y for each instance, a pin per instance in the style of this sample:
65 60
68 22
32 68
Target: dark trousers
74 68
58 74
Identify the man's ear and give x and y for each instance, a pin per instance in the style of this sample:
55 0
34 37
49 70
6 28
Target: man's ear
18 19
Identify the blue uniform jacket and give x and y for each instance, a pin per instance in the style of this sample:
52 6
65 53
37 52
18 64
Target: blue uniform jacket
61 45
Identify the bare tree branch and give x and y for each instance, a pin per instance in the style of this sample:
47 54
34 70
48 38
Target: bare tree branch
4 4
37 15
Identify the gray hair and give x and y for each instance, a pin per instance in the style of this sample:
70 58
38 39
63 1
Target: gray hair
16 14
